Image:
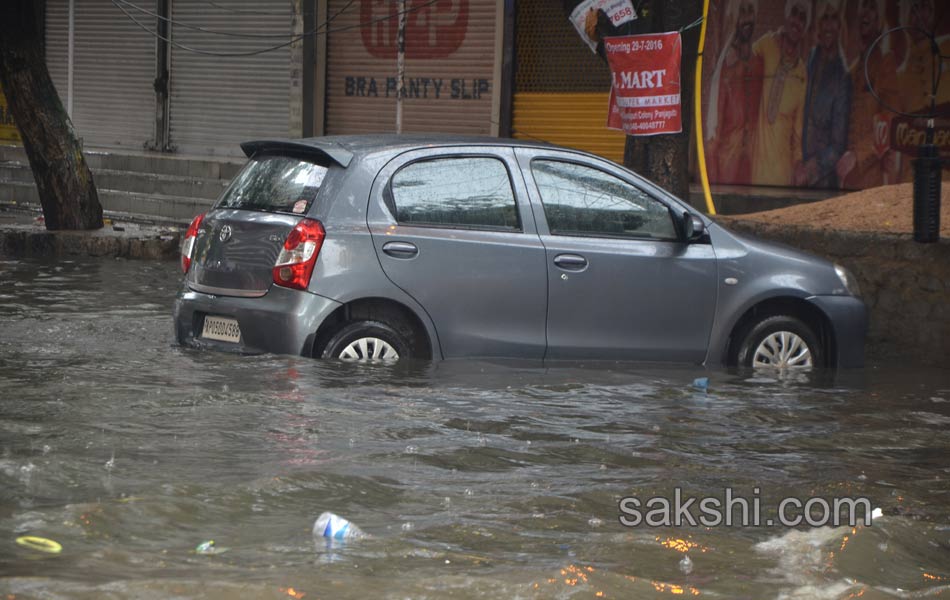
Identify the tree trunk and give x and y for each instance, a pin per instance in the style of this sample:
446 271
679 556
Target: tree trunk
664 159
65 185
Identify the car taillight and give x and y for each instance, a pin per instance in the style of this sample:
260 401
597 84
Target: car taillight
295 264
188 244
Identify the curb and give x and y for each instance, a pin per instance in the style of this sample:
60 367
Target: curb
34 241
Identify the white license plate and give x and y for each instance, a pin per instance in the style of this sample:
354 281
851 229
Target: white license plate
221 328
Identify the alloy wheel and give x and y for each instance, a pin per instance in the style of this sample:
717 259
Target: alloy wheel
369 348
782 349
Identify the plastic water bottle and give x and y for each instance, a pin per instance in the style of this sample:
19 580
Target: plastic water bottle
335 527
686 565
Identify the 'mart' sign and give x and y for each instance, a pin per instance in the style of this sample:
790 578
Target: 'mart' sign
645 83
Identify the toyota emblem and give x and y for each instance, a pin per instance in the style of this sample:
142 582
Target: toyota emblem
225 234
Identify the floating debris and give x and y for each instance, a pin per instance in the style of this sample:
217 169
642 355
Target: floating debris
336 527
686 565
209 547
40 544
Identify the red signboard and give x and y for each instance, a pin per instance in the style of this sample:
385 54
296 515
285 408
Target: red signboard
433 29
645 90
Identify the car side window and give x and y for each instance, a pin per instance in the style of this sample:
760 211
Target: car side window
471 192
584 201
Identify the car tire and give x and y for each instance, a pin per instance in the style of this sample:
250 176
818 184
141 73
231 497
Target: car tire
368 341
779 341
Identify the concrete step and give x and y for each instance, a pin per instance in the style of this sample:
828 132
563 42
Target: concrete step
161 207
153 185
131 181
199 167
169 185
15 172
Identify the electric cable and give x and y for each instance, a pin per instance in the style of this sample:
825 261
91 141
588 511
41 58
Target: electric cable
240 10
184 25
936 72
294 39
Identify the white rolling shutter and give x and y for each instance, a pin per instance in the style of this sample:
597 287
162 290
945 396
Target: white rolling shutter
216 102
113 99
57 45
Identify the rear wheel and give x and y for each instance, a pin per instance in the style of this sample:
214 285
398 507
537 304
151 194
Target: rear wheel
367 341
779 341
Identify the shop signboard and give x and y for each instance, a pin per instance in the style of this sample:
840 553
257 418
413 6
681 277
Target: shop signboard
449 66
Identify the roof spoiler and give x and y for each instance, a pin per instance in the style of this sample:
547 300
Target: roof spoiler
332 152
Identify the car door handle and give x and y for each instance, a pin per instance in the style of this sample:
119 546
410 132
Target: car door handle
571 262
400 249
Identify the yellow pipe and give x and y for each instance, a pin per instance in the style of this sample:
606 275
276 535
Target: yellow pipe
698 116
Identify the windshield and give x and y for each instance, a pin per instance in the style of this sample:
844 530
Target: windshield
274 184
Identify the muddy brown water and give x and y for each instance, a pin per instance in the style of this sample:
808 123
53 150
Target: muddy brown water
473 479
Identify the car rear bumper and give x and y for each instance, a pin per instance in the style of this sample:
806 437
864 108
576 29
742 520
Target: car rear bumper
849 320
282 321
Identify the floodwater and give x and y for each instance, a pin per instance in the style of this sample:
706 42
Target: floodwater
472 479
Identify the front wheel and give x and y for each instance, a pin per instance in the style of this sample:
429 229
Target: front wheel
780 341
367 341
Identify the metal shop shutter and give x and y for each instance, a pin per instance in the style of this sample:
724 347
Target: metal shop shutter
113 101
561 87
217 102
449 67
57 45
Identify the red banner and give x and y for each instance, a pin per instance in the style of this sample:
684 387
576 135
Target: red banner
645 90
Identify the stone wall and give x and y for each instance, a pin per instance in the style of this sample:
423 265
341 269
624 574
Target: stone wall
906 285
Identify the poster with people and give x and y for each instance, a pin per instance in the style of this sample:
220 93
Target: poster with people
787 100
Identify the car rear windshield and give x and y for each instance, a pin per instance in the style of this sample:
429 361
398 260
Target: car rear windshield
275 184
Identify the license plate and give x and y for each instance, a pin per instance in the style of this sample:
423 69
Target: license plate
222 329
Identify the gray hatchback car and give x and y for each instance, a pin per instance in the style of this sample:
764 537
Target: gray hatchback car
394 247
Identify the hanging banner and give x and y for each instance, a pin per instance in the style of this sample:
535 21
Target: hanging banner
645 89
585 16
8 130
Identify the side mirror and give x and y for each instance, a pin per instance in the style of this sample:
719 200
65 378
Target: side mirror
691 226
695 228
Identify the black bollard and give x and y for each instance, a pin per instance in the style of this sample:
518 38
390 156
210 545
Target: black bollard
927 177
